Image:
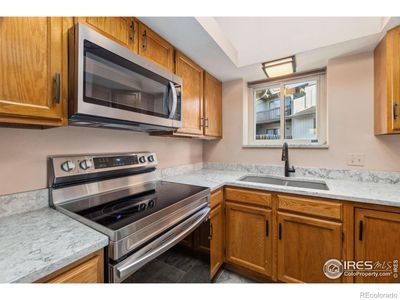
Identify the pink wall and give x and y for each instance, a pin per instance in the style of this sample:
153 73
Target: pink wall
350 126
23 152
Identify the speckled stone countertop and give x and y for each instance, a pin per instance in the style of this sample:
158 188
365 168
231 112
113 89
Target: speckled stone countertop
37 243
364 192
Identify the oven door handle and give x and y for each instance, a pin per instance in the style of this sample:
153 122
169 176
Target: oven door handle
160 245
174 100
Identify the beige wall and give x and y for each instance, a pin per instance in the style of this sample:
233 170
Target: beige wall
350 125
23 152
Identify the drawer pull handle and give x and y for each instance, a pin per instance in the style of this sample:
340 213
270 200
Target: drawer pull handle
280 231
360 230
133 31
267 227
58 82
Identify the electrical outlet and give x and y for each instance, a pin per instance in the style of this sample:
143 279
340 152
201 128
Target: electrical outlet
356 159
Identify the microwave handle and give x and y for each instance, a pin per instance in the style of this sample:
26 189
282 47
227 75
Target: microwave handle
174 100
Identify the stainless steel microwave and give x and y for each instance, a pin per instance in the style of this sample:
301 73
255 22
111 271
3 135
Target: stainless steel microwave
112 87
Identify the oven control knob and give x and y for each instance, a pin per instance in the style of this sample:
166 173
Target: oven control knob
150 158
142 159
85 164
68 166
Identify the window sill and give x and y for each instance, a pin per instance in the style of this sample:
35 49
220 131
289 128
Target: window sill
290 146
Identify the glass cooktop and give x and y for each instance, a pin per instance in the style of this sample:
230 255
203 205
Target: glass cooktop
120 212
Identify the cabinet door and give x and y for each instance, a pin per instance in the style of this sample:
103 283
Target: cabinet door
31 59
248 237
123 30
188 241
155 48
377 239
87 270
202 238
216 240
212 106
394 67
192 94
304 245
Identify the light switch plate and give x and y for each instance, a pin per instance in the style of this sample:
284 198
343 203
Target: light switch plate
356 159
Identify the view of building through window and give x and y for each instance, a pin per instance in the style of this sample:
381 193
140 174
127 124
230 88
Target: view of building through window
299 111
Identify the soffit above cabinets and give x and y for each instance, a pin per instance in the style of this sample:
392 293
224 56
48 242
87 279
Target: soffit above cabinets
234 47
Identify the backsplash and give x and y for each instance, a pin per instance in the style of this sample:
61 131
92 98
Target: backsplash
27 201
320 173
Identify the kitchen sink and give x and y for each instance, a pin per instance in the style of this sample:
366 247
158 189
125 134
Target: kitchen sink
264 179
307 184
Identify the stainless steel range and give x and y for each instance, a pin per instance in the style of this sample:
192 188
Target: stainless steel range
120 196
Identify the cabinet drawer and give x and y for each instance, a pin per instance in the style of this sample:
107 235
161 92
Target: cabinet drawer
248 196
312 207
216 198
87 270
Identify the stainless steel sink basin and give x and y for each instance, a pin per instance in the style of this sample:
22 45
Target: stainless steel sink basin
308 184
264 179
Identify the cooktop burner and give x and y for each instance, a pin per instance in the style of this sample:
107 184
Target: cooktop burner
124 211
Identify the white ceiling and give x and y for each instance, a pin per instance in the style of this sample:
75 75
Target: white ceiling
234 47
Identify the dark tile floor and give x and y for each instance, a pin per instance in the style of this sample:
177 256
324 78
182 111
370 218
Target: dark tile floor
177 266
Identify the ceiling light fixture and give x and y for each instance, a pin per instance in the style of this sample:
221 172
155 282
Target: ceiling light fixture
279 67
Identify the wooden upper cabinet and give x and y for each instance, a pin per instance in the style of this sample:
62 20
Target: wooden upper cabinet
387 84
304 245
217 238
123 30
249 237
192 94
212 106
33 70
377 239
155 48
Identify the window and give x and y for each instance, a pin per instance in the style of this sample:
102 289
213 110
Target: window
292 110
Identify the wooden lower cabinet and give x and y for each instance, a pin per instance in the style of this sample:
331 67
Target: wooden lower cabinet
377 239
217 251
202 238
304 245
87 270
248 237
306 232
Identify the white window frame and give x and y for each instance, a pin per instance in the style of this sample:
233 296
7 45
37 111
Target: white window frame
321 113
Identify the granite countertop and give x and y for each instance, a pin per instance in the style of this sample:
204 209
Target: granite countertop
364 192
37 243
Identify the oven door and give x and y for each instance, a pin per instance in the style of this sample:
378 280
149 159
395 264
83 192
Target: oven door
112 82
122 270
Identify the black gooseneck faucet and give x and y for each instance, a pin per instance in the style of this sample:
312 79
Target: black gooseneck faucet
285 158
